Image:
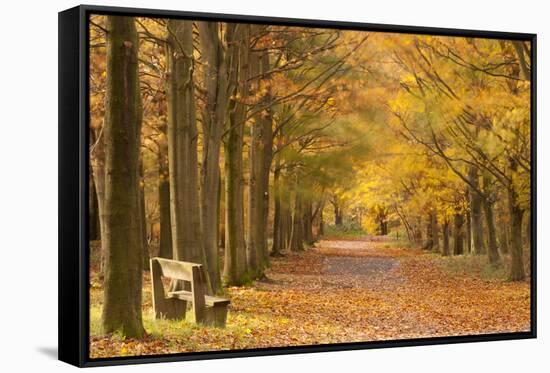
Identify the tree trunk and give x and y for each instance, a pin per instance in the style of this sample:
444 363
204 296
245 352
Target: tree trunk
123 239
338 218
468 232
478 246
435 232
458 234
517 271
182 145
321 231
445 251
97 160
296 242
277 216
494 256
93 229
428 245
308 223
142 217
504 240
213 120
235 249
260 164
165 242
266 118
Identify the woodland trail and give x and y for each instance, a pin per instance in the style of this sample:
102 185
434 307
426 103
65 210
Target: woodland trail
366 289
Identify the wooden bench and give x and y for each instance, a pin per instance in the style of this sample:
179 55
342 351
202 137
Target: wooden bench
208 310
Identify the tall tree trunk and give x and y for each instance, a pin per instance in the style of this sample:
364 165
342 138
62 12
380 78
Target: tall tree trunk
517 271
445 251
296 241
338 218
277 216
478 246
165 242
235 248
93 229
182 145
321 231
123 238
504 238
494 256
428 245
286 220
435 231
260 164
97 160
266 118
256 200
308 222
458 234
217 87
142 216
488 208
468 232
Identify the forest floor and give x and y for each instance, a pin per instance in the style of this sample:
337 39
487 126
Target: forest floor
365 289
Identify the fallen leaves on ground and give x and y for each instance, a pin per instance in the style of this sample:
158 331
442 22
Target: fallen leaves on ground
340 291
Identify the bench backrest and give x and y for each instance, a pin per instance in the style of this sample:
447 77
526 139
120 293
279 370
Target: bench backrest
186 271
175 269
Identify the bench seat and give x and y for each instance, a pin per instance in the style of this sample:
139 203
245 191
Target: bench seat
210 301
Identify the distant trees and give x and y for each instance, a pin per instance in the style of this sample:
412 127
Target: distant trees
464 92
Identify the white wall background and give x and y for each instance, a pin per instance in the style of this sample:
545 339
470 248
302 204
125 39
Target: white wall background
28 184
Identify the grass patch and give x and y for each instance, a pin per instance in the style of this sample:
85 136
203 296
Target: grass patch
343 231
473 266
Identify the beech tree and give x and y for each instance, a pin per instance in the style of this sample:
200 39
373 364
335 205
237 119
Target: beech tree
238 40
122 238
182 144
213 121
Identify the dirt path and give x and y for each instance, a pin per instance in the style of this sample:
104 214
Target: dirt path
364 270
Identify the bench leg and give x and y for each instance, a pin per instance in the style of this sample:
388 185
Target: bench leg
164 307
216 316
175 309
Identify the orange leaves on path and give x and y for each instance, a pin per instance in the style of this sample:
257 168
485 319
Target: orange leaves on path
341 291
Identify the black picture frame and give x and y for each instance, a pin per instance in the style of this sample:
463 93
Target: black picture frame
73 165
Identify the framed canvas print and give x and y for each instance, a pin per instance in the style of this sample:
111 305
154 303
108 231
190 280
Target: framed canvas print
234 186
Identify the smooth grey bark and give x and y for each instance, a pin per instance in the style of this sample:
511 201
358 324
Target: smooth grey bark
260 165
321 231
216 87
478 245
445 250
94 227
468 235
308 222
142 216
338 213
182 145
277 246
97 161
266 118
165 241
123 238
517 270
488 208
458 234
435 231
234 272
429 243
296 241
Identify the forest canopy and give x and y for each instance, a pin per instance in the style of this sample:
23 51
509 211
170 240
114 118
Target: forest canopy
232 145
